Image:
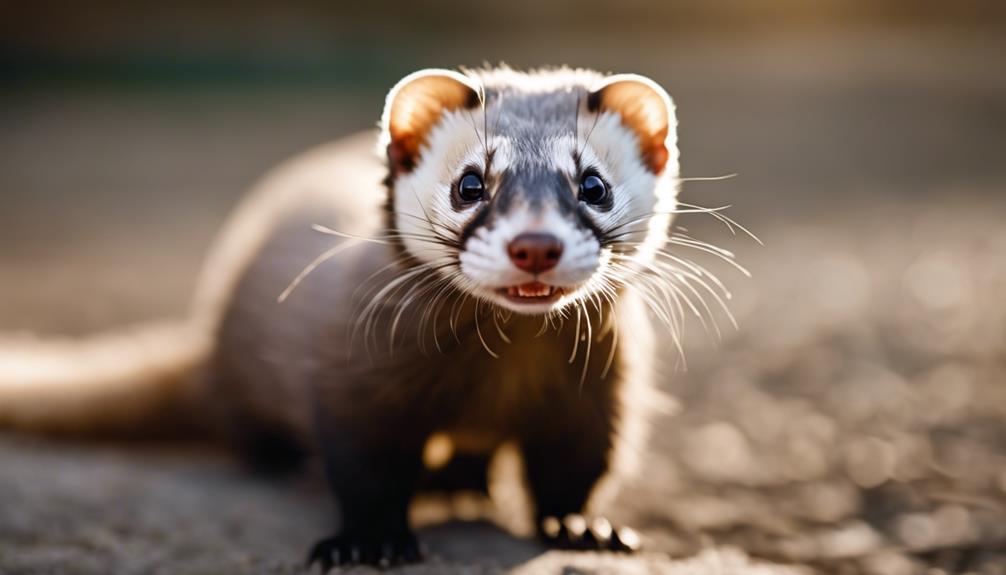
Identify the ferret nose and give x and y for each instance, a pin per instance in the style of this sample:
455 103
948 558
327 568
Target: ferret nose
535 252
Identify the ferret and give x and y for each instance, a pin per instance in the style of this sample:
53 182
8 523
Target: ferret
488 276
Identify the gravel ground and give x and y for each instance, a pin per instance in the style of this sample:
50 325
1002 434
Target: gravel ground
98 510
854 423
857 418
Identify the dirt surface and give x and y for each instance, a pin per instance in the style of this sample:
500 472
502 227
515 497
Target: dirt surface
98 511
854 423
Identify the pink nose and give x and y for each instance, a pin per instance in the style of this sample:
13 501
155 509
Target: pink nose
535 252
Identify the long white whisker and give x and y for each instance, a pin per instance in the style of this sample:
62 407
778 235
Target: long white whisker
709 178
499 330
478 329
404 302
367 315
696 278
727 256
614 338
325 256
729 222
576 338
589 341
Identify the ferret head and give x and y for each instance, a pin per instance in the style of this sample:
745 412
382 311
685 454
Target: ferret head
531 190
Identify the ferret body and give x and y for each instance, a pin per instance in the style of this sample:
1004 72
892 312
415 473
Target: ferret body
471 283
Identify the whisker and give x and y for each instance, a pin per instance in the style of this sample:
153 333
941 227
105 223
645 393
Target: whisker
449 233
576 338
440 297
724 255
499 330
709 178
478 329
387 238
686 240
586 356
660 307
715 295
471 120
729 222
396 262
455 314
576 125
686 277
368 315
693 267
415 290
650 214
325 256
614 337
543 328
586 140
484 100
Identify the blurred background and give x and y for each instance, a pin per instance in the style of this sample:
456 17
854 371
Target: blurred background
856 421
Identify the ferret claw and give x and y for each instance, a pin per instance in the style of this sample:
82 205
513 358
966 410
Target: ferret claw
350 549
574 532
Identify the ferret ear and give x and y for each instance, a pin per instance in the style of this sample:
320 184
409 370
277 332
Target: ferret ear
415 105
646 109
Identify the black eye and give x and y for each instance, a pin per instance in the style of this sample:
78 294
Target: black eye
594 191
471 188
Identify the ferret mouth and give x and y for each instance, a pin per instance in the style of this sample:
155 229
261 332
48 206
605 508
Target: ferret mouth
532 292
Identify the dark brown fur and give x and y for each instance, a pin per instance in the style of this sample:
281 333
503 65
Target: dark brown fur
298 378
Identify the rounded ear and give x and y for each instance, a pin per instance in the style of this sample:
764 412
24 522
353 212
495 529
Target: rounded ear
645 108
415 105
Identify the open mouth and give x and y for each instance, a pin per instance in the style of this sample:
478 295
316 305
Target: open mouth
531 292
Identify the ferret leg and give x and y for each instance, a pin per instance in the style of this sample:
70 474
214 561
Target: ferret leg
563 463
373 473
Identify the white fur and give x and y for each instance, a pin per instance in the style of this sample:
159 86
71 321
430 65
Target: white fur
425 193
486 263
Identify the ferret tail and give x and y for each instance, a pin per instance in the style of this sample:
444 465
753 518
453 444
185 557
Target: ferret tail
138 382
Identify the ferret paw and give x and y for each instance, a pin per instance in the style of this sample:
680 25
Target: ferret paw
349 549
576 532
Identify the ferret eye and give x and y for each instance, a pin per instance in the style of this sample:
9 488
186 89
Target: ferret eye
594 191
471 188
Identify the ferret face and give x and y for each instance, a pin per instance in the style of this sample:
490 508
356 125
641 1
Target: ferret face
539 191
